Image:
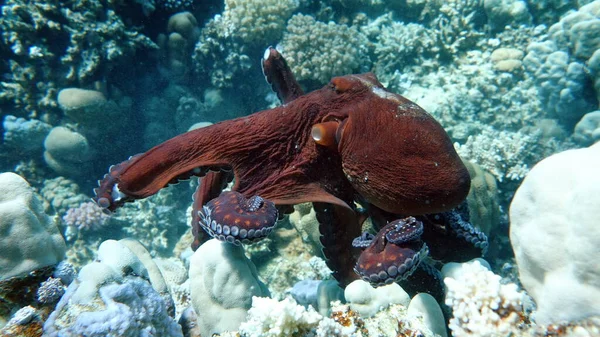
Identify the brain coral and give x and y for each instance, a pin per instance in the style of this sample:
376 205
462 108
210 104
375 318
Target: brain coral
318 51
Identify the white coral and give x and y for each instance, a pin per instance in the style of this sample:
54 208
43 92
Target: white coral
257 22
271 318
481 305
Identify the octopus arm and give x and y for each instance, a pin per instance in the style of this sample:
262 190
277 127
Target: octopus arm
279 75
186 155
339 226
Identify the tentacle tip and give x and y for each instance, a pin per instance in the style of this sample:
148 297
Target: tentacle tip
267 53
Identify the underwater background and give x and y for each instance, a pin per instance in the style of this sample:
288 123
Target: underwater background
87 83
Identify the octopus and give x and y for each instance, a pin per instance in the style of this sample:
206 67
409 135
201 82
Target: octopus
352 148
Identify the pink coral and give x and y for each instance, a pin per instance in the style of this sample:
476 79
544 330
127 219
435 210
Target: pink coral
88 216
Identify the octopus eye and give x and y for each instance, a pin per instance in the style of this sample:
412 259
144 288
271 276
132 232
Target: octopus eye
324 133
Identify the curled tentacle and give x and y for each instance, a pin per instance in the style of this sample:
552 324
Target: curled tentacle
405 230
236 219
394 253
209 187
453 237
107 194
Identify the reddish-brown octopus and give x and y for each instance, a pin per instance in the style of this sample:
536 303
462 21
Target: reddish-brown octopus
352 148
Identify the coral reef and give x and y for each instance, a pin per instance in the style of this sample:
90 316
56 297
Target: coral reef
425 307
50 291
218 58
272 318
367 301
61 194
67 152
174 5
65 272
501 13
563 82
156 222
484 208
84 82
59 42
283 318
176 46
505 154
399 44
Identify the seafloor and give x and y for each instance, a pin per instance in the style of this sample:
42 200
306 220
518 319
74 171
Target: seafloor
87 83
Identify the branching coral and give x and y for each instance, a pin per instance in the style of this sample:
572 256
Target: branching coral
481 305
318 51
258 23
219 57
87 217
457 25
399 44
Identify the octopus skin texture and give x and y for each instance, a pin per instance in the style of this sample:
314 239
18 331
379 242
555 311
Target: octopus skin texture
350 142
